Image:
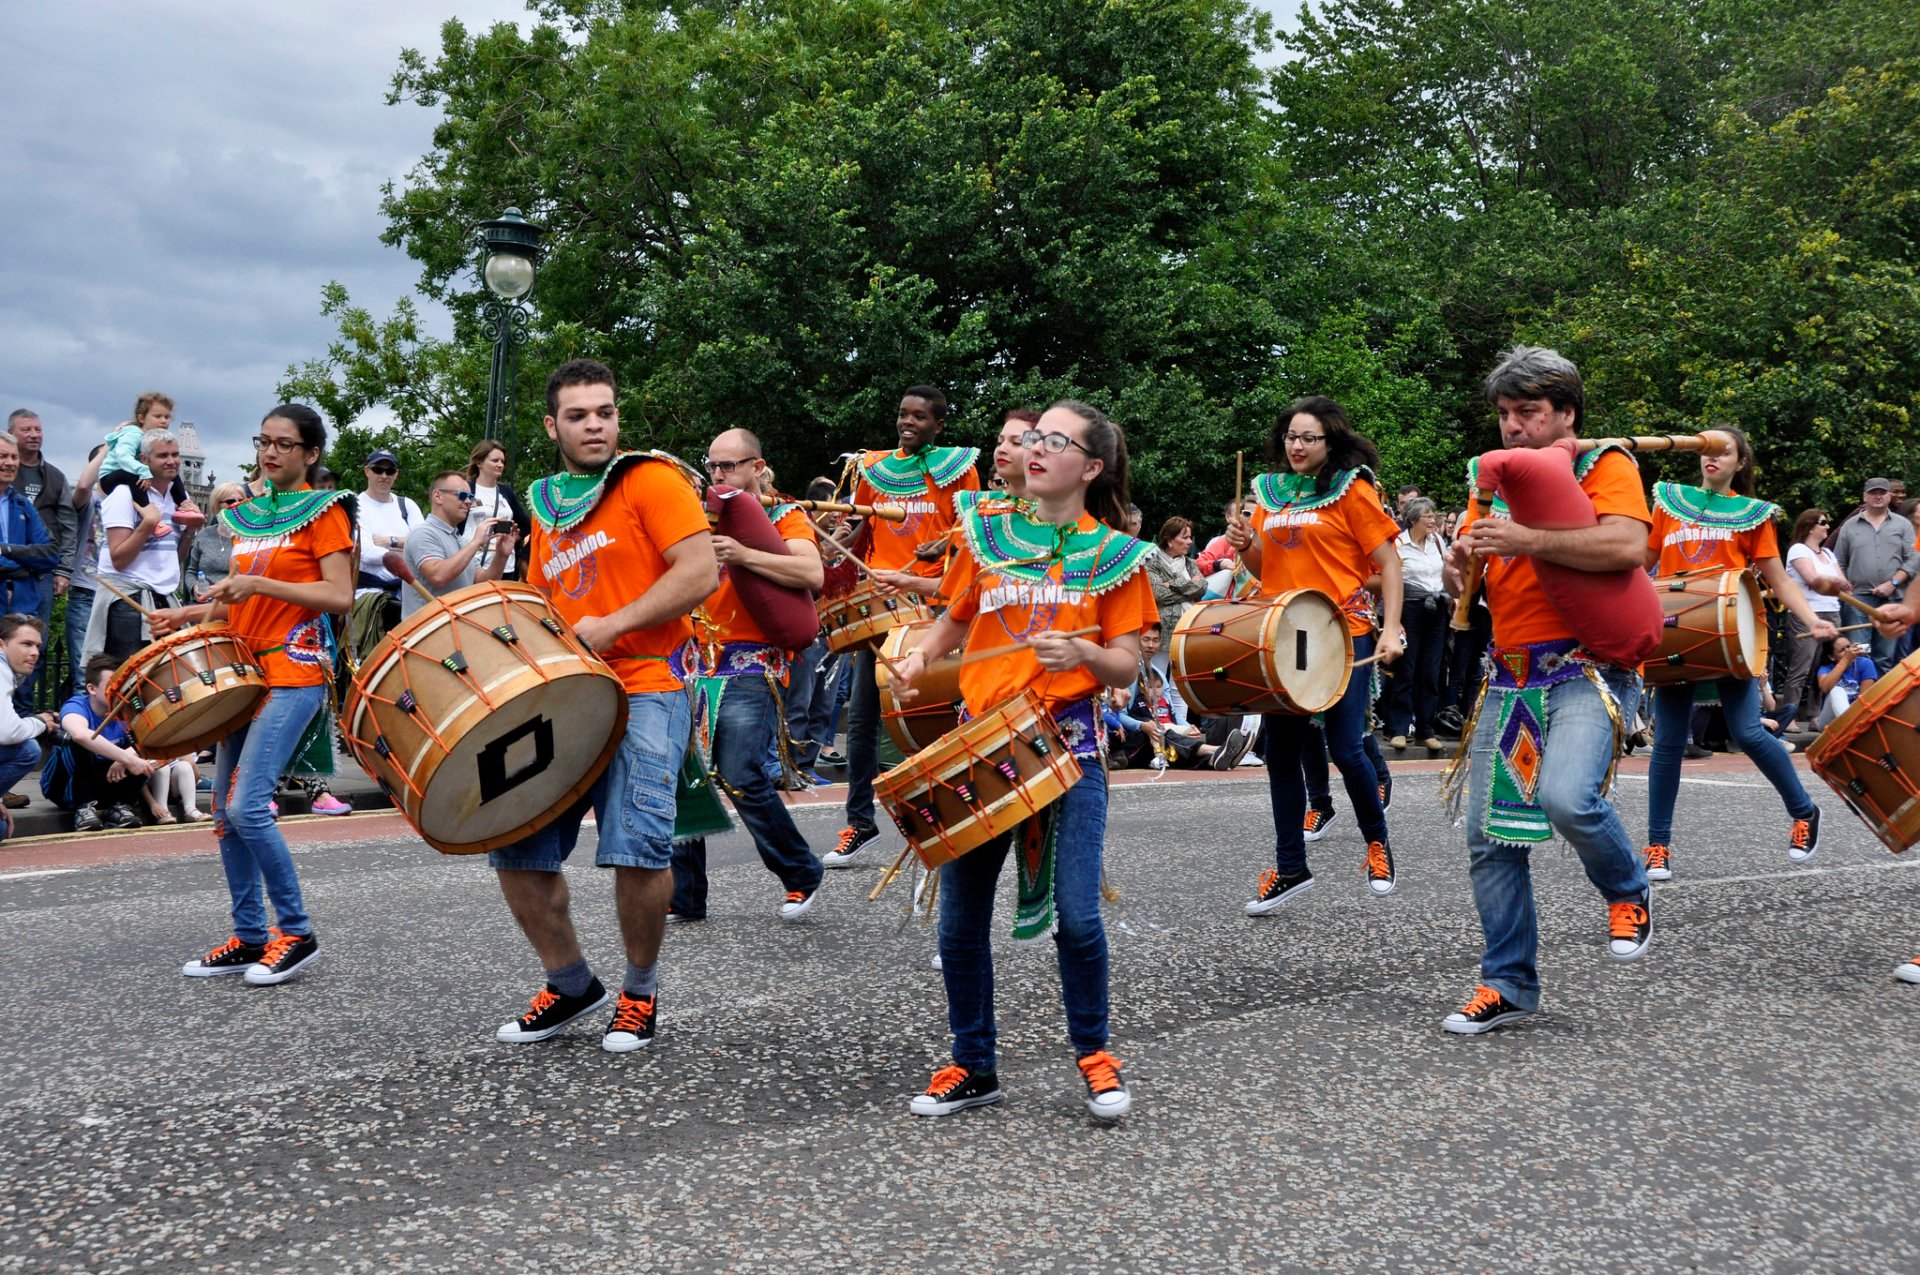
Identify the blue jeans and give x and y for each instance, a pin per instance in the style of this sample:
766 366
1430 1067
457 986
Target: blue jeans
1290 737
804 685
863 740
1672 714
1883 650
79 612
1579 749
245 772
748 718
15 761
1413 696
633 803
1313 765
967 887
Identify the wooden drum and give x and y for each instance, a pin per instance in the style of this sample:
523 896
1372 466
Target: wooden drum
1870 755
1716 627
1290 654
461 711
936 709
188 691
979 780
863 617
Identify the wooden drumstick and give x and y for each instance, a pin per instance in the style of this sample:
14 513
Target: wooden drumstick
860 568
145 613
1239 480
1861 604
999 651
887 877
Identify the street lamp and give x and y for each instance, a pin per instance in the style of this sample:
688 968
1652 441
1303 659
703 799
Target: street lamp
509 250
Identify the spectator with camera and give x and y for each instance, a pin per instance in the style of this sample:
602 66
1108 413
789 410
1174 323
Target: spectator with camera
439 551
1413 697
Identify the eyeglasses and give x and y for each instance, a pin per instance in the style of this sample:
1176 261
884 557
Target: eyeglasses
278 446
385 471
1055 442
727 466
1305 440
457 495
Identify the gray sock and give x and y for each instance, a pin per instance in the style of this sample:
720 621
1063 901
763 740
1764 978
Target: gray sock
574 980
642 981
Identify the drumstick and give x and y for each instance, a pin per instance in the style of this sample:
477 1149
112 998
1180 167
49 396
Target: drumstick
887 877
145 614
1860 605
1853 628
1239 480
1371 659
839 548
999 651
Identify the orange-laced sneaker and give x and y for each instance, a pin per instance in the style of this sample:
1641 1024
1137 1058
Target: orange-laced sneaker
550 1012
633 1024
1379 867
1276 889
1630 927
852 841
1659 861
231 957
955 1088
797 904
1805 838
286 955
1485 1010
1314 826
1107 1096
1910 972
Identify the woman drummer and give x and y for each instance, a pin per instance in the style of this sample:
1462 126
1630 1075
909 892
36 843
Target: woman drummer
292 565
1021 583
1715 527
1322 526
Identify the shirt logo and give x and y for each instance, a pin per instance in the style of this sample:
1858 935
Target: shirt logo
572 568
1697 544
1286 529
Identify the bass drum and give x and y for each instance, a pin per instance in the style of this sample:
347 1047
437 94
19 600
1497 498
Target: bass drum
1290 654
484 717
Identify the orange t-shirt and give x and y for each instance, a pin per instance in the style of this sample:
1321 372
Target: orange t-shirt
1329 549
1522 615
615 554
732 620
929 517
1000 612
286 638
1686 546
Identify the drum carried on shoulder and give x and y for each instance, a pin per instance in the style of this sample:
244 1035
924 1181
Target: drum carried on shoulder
1287 654
1716 626
1870 755
484 717
188 690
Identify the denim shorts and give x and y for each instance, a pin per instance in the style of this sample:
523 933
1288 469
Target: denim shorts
633 802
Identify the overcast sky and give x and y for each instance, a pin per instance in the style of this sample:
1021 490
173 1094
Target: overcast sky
181 180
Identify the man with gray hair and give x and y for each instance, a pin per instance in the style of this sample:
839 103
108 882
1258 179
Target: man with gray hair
46 488
141 556
1875 551
1545 739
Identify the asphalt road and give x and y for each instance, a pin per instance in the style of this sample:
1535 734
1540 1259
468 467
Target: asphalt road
1743 1099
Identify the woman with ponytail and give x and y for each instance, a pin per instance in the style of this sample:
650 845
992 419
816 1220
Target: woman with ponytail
1023 581
1321 525
292 566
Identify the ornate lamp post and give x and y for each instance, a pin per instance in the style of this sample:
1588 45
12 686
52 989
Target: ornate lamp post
509 250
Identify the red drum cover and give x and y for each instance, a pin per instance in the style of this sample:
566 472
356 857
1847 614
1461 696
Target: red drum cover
1615 614
784 613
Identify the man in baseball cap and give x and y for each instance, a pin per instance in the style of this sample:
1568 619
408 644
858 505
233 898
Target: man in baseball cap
385 520
1875 550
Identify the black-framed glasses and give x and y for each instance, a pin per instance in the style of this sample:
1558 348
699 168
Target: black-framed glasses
727 466
1305 440
385 471
1053 442
278 446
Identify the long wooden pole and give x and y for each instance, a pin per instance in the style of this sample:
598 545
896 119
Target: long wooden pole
891 513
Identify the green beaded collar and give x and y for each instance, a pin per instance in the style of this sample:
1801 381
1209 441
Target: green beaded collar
1010 543
1703 508
552 508
891 474
281 513
1294 493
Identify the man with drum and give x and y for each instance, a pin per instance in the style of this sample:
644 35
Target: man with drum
1545 733
909 555
621 549
740 688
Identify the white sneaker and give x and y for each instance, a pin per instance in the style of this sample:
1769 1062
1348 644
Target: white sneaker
1107 1096
798 903
1910 972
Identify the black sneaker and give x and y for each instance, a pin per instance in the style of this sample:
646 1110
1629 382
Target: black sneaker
1315 826
1276 889
1486 1010
87 818
121 815
1379 867
852 841
955 1089
1229 754
1107 1096
285 956
1805 838
1630 927
550 1013
1385 787
231 957
632 1026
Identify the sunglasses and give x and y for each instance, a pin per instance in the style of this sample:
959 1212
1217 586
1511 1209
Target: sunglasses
463 496
385 471
231 500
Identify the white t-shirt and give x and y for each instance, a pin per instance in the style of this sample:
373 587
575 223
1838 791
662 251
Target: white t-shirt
157 565
379 520
1806 566
488 503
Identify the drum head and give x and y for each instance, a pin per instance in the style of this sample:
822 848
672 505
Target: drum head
1313 655
1750 619
534 755
199 723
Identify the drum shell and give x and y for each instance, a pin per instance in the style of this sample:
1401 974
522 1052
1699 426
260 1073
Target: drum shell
1870 756
863 617
935 710
941 824
1715 627
1286 654
508 692
188 691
